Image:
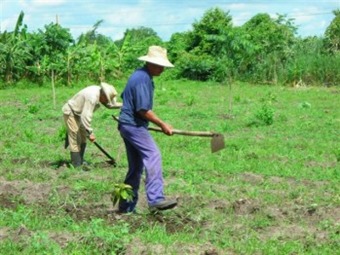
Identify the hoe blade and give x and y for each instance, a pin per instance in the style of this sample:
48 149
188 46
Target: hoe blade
217 142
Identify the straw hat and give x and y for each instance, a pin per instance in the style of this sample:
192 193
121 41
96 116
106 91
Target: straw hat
157 55
110 93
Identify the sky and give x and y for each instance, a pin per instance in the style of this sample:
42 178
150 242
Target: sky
165 17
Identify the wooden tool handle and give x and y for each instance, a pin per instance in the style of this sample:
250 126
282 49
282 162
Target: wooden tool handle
184 132
180 132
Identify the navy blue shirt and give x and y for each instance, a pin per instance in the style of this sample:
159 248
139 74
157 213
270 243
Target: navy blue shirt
137 95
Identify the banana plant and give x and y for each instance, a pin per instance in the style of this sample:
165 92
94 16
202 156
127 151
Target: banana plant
14 51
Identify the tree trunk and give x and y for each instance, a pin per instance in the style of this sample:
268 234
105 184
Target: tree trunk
53 89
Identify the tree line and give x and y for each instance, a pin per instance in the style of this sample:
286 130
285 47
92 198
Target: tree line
263 50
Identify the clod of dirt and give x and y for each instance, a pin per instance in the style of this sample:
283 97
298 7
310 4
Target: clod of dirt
245 206
4 233
63 239
252 178
6 202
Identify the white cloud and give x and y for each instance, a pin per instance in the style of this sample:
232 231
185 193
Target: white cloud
305 15
126 16
237 7
48 2
165 17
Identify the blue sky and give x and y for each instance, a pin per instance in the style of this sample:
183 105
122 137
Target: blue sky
165 17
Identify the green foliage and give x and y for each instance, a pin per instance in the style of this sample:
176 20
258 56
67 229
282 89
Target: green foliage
271 40
195 67
305 105
121 191
14 52
337 154
263 50
178 44
311 65
265 114
214 22
139 40
56 41
332 34
33 108
202 54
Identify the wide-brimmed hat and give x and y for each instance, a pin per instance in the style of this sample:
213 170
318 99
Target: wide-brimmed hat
157 55
110 93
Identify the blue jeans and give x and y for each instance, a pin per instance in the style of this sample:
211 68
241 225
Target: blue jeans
142 153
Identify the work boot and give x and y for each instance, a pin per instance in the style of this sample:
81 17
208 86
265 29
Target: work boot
75 159
85 165
163 205
82 153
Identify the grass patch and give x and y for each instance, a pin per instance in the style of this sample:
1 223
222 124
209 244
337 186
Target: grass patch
274 189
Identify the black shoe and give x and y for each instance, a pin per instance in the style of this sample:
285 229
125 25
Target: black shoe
163 205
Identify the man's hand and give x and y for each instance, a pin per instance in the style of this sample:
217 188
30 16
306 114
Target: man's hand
92 137
151 116
166 128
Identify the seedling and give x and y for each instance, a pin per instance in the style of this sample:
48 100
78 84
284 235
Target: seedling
121 191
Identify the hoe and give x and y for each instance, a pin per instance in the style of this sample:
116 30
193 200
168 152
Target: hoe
216 143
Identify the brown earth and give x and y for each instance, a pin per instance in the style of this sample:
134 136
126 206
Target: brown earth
291 219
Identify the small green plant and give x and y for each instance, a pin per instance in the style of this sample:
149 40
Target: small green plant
337 154
305 105
121 191
237 99
29 134
270 97
190 100
265 114
32 108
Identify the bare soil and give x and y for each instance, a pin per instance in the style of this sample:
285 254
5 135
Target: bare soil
291 219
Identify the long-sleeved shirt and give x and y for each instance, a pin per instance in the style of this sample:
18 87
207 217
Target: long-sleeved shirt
84 104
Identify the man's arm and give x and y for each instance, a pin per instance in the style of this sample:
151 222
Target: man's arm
152 117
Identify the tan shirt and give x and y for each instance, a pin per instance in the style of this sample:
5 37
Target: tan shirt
84 104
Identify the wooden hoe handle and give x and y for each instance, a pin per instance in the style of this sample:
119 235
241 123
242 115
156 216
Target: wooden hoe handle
180 132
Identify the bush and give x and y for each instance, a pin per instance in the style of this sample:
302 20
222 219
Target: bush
203 68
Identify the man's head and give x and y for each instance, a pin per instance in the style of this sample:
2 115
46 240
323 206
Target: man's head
156 60
108 96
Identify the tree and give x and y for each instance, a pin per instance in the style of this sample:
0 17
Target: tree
139 40
272 40
202 53
332 34
214 22
57 41
177 45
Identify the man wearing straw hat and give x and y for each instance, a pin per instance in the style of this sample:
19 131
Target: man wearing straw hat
78 112
142 151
